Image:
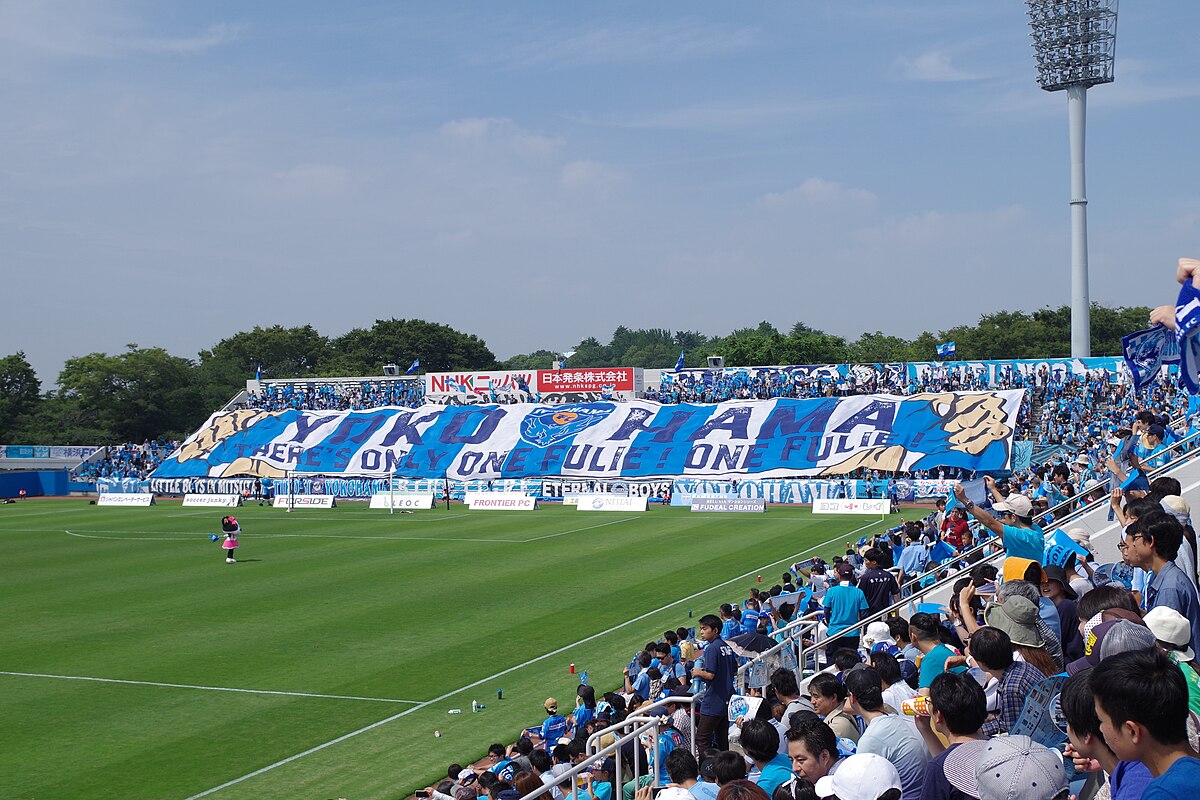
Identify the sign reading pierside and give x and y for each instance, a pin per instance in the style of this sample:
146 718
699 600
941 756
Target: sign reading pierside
305 501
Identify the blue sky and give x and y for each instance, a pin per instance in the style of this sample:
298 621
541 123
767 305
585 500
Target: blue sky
535 173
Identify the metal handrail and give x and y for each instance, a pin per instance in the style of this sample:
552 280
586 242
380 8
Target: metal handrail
1066 503
986 558
613 749
682 700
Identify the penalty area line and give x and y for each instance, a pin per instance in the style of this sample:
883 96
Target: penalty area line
207 688
501 673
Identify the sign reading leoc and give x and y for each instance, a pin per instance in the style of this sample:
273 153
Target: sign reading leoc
118 499
880 507
733 505
402 500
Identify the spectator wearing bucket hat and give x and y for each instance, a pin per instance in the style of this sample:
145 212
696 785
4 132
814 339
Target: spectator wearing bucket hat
991 649
1014 528
1152 543
1173 634
1018 617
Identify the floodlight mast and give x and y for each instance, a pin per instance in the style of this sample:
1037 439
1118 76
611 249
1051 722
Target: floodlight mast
1074 45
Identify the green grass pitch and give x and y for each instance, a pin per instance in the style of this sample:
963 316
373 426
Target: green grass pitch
334 621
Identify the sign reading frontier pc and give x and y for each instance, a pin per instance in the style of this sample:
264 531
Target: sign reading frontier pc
1074 45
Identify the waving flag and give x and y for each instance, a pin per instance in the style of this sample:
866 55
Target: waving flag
679 363
1146 352
945 350
258 373
413 367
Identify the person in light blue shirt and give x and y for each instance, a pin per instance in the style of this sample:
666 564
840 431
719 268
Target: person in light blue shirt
555 725
844 606
1018 534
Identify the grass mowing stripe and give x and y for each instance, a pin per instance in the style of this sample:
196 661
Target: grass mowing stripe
509 670
207 688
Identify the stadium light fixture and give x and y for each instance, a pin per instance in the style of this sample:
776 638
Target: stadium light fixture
1074 46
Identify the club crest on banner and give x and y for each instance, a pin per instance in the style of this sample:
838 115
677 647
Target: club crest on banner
543 427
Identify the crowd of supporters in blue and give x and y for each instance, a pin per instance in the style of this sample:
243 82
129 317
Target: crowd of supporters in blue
125 461
942 702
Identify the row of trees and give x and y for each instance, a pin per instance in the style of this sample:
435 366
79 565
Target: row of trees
146 393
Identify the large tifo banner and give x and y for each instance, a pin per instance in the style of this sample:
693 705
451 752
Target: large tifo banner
767 438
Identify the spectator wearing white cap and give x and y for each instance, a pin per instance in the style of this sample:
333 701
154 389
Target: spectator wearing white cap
1015 528
862 776
1174 635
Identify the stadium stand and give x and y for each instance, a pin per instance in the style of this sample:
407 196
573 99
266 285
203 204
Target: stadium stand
1113 590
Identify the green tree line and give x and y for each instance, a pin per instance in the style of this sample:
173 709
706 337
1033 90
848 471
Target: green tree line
146 393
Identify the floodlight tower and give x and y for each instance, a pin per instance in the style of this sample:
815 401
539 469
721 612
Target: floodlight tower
1074 43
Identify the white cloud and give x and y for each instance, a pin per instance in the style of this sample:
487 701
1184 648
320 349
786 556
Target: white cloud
818 193
933 66
96 30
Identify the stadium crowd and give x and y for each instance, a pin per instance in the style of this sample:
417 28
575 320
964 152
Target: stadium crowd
953 701
125 461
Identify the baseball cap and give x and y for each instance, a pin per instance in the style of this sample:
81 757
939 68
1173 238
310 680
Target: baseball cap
1173 628
1018 768
1018 504
551 704
862 776
845 570
1017 617
604 765
1157 430
1081 537
1096 630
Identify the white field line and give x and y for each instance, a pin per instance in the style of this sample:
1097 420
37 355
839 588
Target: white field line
326 518
208 688
83 534
522 665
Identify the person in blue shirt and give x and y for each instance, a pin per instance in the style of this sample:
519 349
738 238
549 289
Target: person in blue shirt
760 741
1142 704
732 624
1152 542
1018 534
844 605
717 667
1127 779
555 725
585 709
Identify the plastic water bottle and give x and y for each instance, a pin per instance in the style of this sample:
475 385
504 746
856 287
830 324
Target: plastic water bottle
477 706
454 711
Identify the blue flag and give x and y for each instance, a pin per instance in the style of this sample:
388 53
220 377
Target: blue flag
945 350
413 367
1187 331
679 363
1146 352
941 551
258 373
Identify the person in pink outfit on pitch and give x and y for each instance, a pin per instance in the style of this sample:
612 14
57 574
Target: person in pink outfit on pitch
231 529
